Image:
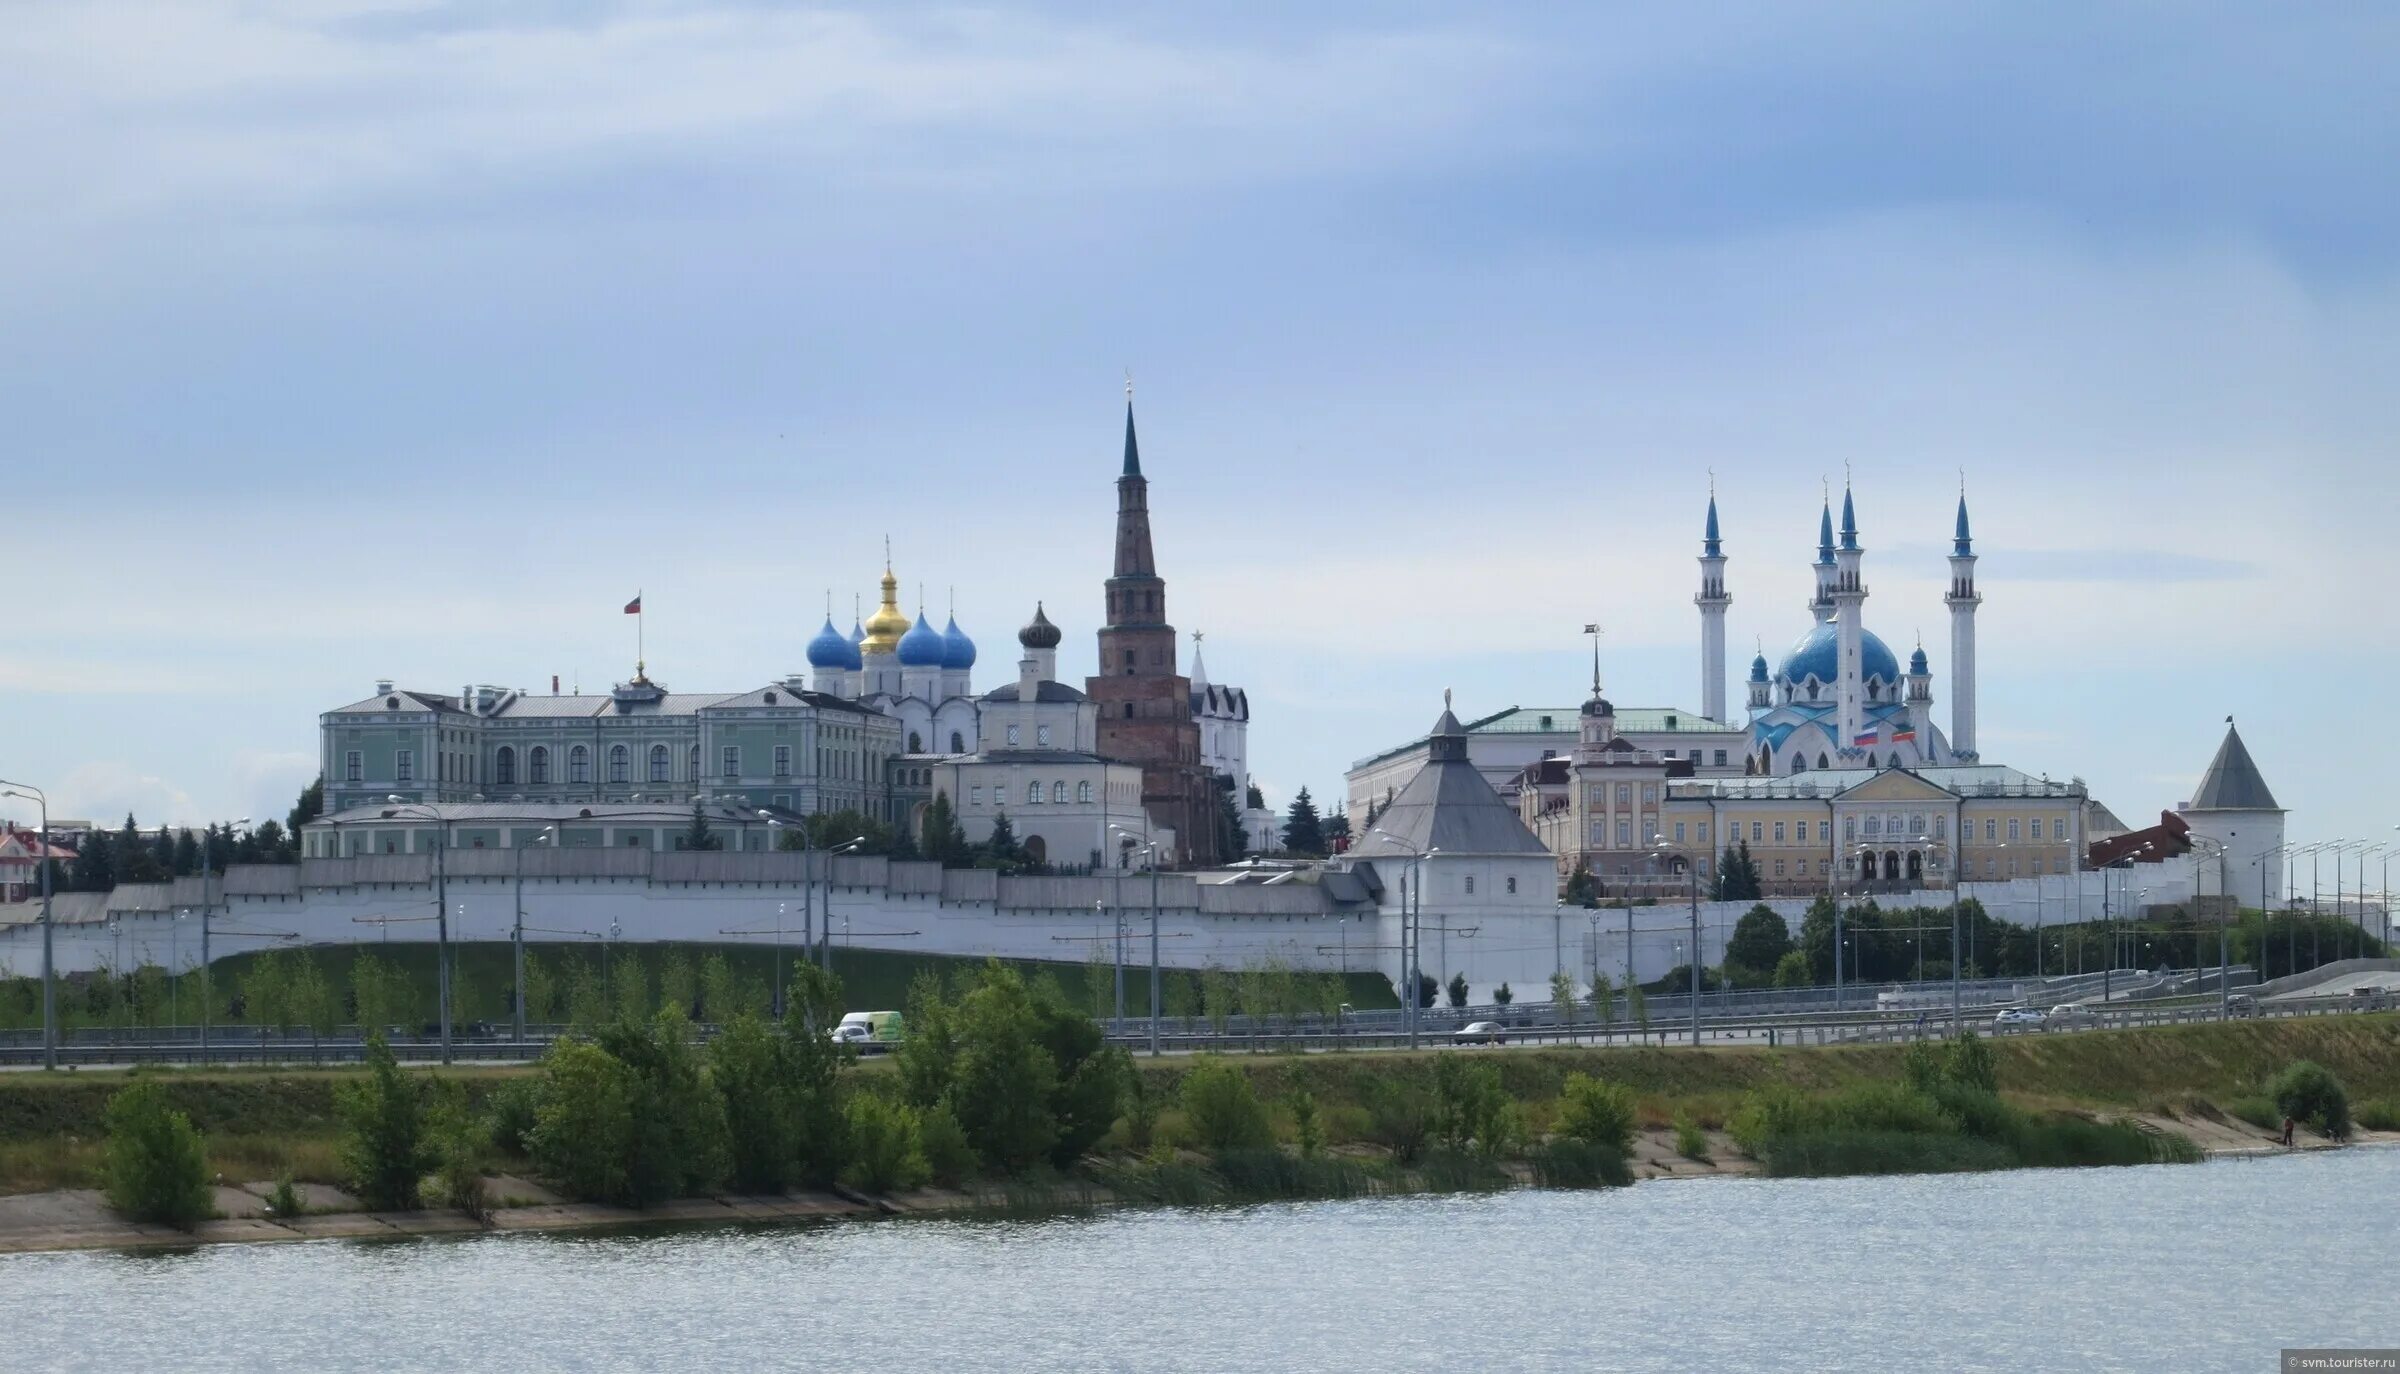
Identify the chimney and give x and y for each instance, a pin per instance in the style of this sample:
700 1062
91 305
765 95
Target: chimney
383 686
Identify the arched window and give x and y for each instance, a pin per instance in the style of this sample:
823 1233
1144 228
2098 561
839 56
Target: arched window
504 766
579 764
958 743
693 770
1129 708
620 767
1820 758
916 743
1033 794
1799 763
658 763
1083 791
1058 793
537 766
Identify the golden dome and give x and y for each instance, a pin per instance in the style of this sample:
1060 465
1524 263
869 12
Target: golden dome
885 627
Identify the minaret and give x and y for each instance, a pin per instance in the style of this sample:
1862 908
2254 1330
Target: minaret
1822 605
1962 601
1712 602
1920 702
1849 604
1760 687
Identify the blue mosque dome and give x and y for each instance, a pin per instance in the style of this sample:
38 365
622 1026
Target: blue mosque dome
922 646
830 650
1917 666
1818 654
958 651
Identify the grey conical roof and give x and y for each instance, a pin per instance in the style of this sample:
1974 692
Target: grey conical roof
2232 782
1447 806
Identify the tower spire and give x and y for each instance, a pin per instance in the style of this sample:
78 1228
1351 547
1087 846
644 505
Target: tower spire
1133 449
1712 601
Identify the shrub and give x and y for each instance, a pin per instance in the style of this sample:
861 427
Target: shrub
458 1144
1222 1108
1830 1153
2308 1092
1768 1114
1307 1131
383 1149
1567 1162
2379 1114
1597 1113
1459 1171
1399 1117
1143 1102
885 1155
949 1159
1470 1106
583 1124
1689 1141
508 1115
1921 1066
283 1199
153 1166
1969 1064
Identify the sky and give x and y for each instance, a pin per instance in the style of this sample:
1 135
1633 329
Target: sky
342 341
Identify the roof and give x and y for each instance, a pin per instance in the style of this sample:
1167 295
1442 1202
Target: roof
614 813
2232 782
1210 699
528 706
1447 806
1968 781
1563 720
1043 691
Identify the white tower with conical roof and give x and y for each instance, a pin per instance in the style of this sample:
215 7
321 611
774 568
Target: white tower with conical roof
1962 602
1849 616
1712 601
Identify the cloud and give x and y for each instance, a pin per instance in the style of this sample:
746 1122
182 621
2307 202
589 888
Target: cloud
106 792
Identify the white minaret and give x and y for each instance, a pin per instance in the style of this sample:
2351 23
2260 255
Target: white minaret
1821 605
1849 605
1962 601
1712 602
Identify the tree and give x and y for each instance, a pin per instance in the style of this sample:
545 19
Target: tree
309 1000
153 1165
697 835
1223 1108
1001 850
269 844
1791 971
1232 841
676 1145
187 854
1760 940
583 1121
96 863
1001 1078
940 837
1582 888
1337 829
383 1149
309 806
1737 875
1458 990
1303 832
136 858
1502 995
1604 998
886 1154
1428 991
1255 800
1562 995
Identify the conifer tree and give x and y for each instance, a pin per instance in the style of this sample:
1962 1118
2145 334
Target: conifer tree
1303 832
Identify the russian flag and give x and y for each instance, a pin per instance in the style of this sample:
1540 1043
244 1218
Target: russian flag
634 607
1867 736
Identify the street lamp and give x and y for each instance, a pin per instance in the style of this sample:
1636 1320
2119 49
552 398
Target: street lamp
207 969
825 930
441 904
1412 936
41 799
2224 938
1691 885
1150 851
548 835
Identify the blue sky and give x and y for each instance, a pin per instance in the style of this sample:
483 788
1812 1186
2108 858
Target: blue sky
407 339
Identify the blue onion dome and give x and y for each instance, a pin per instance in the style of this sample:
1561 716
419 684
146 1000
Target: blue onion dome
1818 655
830 650
1758 668
1917 666
958 651
922 646
1039 633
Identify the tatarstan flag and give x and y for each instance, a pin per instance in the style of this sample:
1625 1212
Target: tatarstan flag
634 607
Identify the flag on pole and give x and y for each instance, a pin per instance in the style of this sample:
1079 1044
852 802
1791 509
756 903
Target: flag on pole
634 607
1867 736
1906 734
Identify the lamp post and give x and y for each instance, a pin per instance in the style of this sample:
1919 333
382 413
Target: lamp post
441 906
41 799
2364 850
825 928
1412 935
2224 946
208 969
1150 858
517 930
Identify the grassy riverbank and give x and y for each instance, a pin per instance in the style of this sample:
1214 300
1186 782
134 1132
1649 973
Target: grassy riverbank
265 1124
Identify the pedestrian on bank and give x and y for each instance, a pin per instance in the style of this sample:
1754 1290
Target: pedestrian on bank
2288 1123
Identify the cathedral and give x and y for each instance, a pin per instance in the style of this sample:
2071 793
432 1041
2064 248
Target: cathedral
1839 699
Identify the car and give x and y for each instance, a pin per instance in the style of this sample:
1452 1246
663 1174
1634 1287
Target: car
850 1033
2370 997
2241 1004
2017 1018
1479 1033
2070 1014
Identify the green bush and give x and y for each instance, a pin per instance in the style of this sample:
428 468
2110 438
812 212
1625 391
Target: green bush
583 1124
1690 1142
1567 1162
153 1166
1143 1102
1308 1132
1832 1153
1258 1175
283 1200
1970 1064
1768 1114
2378 1114
885 1155
1471 1109
383 1148
1399 1117
1597 1113
457 1147
949 1159
508 1115
2308 1092
1222 1108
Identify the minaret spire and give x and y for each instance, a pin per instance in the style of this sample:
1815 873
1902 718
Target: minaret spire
1849 592
1712 601
1962 601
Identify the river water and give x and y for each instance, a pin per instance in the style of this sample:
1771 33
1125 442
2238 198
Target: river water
2208 1267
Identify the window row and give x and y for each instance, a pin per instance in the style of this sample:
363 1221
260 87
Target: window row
1035 794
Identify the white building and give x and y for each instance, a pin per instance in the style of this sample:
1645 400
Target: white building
2234 808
